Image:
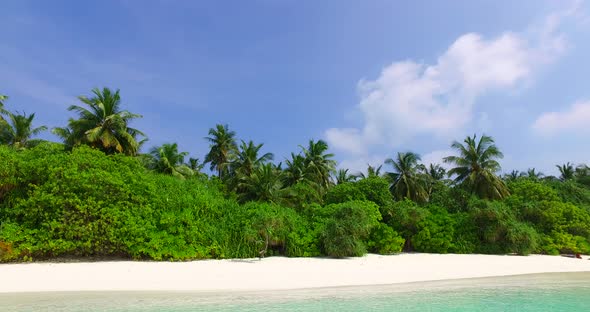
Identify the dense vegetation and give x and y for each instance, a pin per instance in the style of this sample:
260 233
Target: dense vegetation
96 195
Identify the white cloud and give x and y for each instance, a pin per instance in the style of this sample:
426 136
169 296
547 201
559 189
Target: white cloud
576 118
410 98
346 139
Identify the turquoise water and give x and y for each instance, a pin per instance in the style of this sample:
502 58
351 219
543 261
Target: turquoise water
546 292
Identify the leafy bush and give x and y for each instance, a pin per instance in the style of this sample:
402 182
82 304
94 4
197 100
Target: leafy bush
435 232
384 240
500 232
375 189
345 233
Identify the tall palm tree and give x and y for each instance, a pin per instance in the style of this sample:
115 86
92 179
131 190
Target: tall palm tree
583 174
318 164
435 171
223 146
102 124
567 171
19 130
2 110
476 167
247 158
342 176
532 173
295 171
513 175
195 164
166 159
406 181
263 184
3 123
371 172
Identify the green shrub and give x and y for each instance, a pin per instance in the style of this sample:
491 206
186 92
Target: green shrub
500 232
345 233
435 232
384 240
270 226
375 189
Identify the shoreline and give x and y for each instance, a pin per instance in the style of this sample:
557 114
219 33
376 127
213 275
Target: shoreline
273 273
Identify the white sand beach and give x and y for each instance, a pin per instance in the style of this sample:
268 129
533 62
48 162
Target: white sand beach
275 273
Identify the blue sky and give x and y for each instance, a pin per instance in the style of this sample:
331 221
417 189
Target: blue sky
370 77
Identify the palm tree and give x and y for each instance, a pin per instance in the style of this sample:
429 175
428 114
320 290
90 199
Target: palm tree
476 166
247 159
223 147
342 176
406 181
532 173
583 174
318 164
195 164
263 184
166 159
2 110
435 171
3 123
513 175
19 130
567 171
102 124
371 172
295 171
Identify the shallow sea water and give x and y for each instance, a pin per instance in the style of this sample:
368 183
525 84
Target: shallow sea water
539 292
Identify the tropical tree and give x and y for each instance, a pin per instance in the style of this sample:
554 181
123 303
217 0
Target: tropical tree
566 171
371 172
195 164
476 167
247 158
295 171
406 181
435 171
19 130
513 175
342 176
166 159
3 123
583 174
318 164
223 146
532 173
102 124
265 183
2 110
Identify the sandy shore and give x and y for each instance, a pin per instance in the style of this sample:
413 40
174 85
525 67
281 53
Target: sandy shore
274 273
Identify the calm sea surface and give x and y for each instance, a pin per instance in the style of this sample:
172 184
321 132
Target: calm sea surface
543 292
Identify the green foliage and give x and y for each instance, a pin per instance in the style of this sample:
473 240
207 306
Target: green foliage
529 190
222 150
476 165
345 233
102 124
18 130
375 189
435 232
425 229
453 199
406 179
572 192
84 202
500 232
270 226
384 240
